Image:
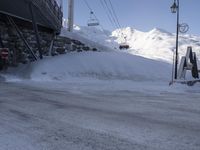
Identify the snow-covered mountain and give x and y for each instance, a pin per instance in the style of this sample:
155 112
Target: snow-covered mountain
156 44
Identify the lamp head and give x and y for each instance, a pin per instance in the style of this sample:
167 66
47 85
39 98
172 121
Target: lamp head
174 7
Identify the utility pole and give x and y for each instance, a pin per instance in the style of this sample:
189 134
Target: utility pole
70 15
175 9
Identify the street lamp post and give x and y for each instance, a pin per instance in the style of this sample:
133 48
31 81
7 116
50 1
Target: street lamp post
175 9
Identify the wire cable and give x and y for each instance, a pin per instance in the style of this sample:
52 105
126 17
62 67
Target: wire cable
110 12
91 10
107 14
114 12
117 20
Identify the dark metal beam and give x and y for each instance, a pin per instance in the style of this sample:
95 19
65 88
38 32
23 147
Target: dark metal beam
11 21
35 27
1 42
51 45
177 38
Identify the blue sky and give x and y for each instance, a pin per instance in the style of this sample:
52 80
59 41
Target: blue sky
143 15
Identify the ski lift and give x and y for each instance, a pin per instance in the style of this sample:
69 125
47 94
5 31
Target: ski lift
124 45
93 21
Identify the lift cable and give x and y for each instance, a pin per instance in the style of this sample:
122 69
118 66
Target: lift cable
87 4
107 14
117 20
111 14
114 20
115 15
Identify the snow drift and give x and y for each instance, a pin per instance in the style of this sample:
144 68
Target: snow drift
97 65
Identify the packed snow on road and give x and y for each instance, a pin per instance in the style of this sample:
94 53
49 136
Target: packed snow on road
106 100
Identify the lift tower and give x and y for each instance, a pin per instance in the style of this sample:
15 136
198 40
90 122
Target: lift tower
70 15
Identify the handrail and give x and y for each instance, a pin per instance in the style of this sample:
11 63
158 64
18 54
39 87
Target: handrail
52 7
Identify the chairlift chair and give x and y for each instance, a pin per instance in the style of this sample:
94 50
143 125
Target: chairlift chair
124 45
92 21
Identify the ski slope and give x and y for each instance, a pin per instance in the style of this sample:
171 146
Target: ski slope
156 44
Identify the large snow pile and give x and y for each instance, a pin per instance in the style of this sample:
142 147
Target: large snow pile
98 65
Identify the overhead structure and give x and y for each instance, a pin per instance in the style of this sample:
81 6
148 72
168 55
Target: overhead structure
70 15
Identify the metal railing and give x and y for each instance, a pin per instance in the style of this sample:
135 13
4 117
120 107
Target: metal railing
56 9
51 10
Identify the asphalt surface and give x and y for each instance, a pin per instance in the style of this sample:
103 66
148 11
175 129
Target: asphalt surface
48 118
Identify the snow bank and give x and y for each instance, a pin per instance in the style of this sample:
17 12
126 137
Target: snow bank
98 65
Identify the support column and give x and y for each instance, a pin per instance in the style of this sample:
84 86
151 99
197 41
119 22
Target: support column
51 48
70 15
35 27
11 21
1 41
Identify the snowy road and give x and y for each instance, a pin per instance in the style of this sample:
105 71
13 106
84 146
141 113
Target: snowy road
84 117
